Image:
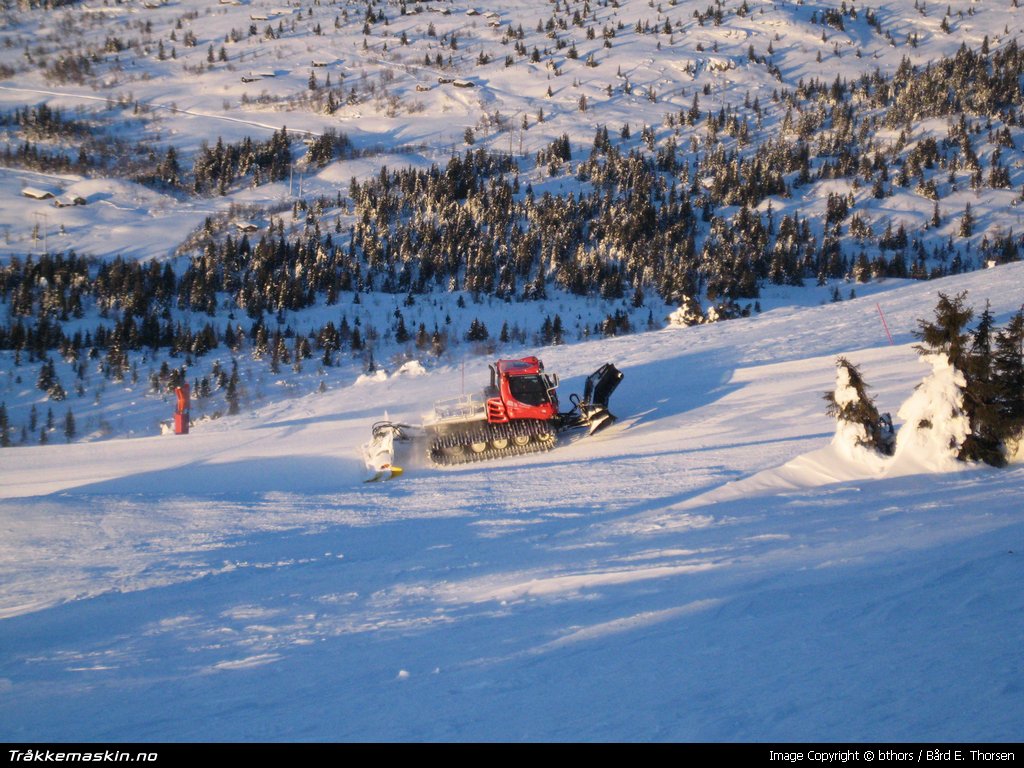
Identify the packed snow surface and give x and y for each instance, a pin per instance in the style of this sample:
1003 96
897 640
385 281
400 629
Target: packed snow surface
709 568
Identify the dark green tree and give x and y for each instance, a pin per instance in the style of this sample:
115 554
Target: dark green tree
69 426
231 395
1008 379
948 332
984 443
5 427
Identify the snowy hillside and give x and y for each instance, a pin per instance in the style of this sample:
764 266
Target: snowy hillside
281 203
705 569
310 190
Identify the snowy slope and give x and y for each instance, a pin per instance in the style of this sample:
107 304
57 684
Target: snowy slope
703 570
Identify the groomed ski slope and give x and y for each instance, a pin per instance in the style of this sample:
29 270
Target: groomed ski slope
708 569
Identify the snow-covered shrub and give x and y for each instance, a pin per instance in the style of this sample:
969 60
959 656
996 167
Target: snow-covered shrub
689 313
858 423
728 309
1015 450
935 424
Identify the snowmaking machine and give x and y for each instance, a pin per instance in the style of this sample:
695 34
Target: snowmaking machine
517 413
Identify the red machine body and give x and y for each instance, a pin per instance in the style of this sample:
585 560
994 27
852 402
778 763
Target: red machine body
521 390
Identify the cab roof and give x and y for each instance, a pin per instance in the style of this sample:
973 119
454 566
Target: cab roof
527 366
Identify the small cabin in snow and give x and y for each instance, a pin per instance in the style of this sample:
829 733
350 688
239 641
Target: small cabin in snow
37 194
69 199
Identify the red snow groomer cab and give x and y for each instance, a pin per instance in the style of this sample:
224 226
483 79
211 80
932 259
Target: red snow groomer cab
520 389
516 413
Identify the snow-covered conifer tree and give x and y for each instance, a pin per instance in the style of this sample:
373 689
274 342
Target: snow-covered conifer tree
935 424
858 423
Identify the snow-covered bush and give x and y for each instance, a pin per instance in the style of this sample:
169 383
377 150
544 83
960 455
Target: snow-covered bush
1015 450
858 423
725 310
689 313
935 424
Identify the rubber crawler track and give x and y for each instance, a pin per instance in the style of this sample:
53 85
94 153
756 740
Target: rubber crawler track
454 446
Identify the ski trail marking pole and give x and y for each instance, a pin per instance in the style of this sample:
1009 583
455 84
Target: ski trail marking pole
884 324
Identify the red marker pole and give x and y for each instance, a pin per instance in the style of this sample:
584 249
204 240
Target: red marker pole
181 412
884 324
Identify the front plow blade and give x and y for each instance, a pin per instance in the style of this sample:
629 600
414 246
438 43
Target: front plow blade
600 420
591 410
379 453
386 473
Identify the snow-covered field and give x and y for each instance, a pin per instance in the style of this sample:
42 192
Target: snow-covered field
707 569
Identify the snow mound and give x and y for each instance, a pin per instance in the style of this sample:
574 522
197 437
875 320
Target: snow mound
826 466
365 378
410 369
934 428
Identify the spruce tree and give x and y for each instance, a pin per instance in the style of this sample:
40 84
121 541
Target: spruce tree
984 443
857 419
1008 382
935 424
5 427
969 353
401 332
231 395
947 333
422 338
69 426
46 376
